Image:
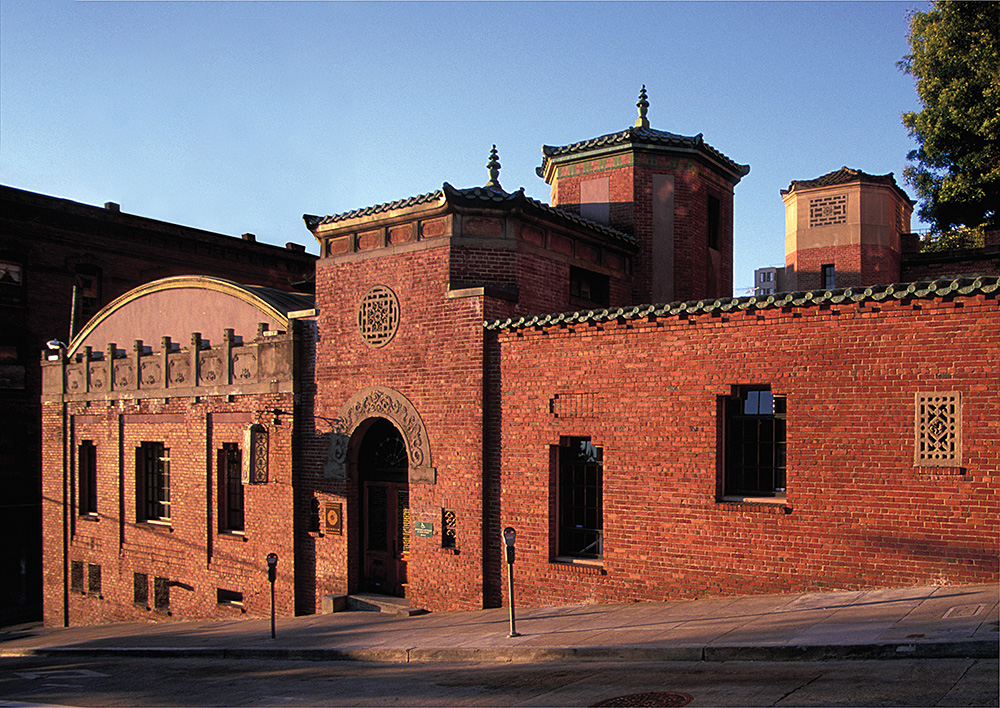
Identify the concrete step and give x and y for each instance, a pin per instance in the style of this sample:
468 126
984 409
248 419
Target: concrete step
370 602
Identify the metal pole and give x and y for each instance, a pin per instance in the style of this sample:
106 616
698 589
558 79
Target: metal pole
510 591
272 609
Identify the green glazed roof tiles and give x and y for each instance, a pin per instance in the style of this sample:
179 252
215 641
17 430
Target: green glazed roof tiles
475 196
987 284
639 137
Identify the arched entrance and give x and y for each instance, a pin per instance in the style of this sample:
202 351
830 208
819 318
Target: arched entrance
384 497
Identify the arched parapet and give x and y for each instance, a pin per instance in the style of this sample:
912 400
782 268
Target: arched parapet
381 402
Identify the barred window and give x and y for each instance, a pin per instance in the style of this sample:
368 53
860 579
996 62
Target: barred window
87 478
230 488
755 443
93 579
581 512
140 589
76 576
161 594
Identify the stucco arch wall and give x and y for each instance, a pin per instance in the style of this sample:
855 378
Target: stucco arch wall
176 307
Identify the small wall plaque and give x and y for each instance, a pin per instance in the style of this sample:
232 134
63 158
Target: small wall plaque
424 529
333 518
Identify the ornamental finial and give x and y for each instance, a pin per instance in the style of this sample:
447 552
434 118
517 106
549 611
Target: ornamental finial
494 167
643 104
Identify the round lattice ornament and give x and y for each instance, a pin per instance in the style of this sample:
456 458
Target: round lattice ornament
378 316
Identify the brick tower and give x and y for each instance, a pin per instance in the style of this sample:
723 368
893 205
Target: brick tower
843 230
673 193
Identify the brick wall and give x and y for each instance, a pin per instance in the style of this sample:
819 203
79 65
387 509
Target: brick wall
190 551
858 512
855 265
434 361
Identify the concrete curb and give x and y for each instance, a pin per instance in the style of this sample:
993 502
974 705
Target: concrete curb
973 649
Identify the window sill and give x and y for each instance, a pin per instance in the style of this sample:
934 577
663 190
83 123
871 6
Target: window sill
772 505
235 535
156 524
89 517
588 566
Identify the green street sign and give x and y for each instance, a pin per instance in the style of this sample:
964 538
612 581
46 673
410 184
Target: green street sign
425 529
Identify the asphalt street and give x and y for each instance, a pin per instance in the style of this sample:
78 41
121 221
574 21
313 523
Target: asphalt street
79 681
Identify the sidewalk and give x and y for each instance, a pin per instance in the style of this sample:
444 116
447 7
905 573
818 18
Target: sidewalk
918 622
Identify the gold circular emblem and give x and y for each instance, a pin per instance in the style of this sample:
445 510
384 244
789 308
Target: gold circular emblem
333 516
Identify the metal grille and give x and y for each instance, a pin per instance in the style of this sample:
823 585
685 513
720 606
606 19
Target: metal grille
76 576
93 579
140 589
449 529
378 316
161 593
403 519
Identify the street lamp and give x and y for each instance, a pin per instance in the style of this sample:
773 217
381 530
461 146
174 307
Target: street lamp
272 574
509 535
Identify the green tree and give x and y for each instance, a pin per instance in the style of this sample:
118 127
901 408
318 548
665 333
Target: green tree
955 59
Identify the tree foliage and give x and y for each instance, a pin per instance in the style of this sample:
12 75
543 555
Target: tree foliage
955 59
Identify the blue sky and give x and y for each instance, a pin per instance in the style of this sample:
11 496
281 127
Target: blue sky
241 116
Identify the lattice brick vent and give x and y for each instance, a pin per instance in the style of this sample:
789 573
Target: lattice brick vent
938 429
378 316
826 211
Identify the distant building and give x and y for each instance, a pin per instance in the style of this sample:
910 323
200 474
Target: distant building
767 281
849 229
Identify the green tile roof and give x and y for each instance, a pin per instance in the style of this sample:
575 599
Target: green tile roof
642 137
482 197
987 284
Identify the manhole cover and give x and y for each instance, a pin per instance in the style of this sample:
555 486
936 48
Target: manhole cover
650 699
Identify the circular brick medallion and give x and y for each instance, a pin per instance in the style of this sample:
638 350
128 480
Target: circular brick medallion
650 699
378 316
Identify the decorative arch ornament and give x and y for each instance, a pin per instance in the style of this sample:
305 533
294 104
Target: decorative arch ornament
380 402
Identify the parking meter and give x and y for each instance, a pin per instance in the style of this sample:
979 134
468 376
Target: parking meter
509 535
272 574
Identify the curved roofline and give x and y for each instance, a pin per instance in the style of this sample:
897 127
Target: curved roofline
249 294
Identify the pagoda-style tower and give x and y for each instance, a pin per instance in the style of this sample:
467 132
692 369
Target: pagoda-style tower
673 193
843 230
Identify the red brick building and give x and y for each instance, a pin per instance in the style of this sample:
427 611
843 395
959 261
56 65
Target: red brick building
480 362
60 263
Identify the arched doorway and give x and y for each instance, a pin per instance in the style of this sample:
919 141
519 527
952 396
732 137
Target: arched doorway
385 508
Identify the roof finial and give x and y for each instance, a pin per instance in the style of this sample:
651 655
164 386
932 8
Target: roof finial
494 167
643 104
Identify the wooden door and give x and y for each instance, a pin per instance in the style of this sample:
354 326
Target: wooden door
386 537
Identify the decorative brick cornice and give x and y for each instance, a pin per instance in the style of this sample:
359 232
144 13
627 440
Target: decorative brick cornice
986 285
